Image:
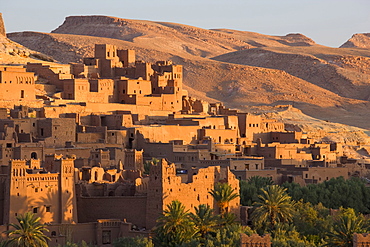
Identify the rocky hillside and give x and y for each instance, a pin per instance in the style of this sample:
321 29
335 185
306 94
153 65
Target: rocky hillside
344 73
14 53
245 70
176 38
358 40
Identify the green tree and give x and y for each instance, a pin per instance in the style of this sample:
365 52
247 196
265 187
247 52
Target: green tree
274 205
249 189
204 220
311 221
29 232
286 235
133 242
227 236
223 194
174 227
335 193
344 227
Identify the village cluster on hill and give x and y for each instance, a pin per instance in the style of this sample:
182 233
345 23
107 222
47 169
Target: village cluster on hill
100 148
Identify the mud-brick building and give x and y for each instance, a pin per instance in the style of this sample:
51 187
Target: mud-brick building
25 187
163 185
191 189
16 83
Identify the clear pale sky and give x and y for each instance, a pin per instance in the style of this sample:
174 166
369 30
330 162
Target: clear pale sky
327 22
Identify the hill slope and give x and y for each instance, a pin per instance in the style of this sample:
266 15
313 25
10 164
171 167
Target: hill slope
359 40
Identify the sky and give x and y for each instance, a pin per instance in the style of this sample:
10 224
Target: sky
327 22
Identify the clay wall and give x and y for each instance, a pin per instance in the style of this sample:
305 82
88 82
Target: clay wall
223 136
54 111
90 137
237 164
48 88
132 208
3 113
117 121
53 73
56 132
76 89
29 151
105 51
190 156
103 91
164 133
224 150
127 57
118 137
321 174
158 150
79 152
78 70
361 239
271 125
133 87
16 85
133 160
286 137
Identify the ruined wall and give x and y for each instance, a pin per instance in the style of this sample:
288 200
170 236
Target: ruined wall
165 186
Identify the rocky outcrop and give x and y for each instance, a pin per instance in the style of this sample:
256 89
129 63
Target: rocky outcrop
358 40
2 26
297 39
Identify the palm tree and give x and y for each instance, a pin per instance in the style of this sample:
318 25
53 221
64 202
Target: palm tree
29 232
223 194
274 205
204 220
174 226
149 163
342 233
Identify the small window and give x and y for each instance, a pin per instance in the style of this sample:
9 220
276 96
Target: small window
47 208
35 210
